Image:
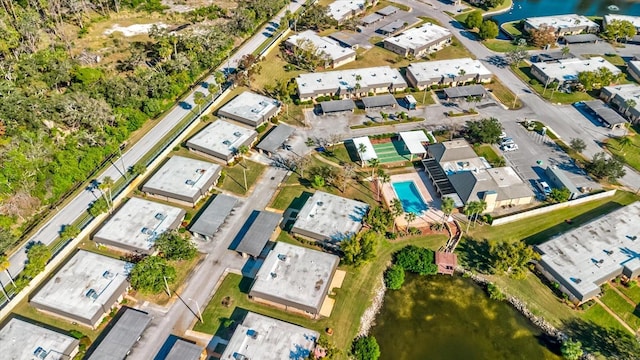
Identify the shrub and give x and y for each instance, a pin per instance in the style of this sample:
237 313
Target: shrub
416 259
495 293
394 277
365 348
533 82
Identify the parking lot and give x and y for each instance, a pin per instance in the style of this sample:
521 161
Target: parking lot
536 152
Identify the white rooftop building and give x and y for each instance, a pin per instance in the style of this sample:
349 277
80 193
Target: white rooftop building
221 140
295 278
183 180
419 41
635 20
344 9
415 142
265 338
21 340
567 70
351 82
584 258
569 24
328 217
450 72
85 289
250 108
137 224
334 54
618 95
364 143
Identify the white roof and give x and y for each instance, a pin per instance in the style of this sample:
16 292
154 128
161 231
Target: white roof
627 91
326 45
265 338
181 176
84 286
635 20
420 36
20 340
370 153
341 9
222 137
587 255
250 107
561 21
414 141
330 81
568 69
429 70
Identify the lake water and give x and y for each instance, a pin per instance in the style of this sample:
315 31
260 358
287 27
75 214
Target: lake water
451 318
528 8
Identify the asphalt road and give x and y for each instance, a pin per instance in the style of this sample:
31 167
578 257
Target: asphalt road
49 232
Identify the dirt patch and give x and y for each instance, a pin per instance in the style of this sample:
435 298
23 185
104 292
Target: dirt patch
133 30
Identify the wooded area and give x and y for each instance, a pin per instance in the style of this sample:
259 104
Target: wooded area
64 112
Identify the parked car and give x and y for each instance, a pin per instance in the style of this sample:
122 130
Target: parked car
510 147
505 141
544 187
503 135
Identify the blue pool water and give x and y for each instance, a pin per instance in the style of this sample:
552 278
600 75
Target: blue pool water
409 196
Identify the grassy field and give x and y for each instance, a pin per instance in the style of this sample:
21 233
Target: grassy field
234 179
524 72
503 46
633 292
503 94
512 28
351 300
621 307
537 229
454 51
286 196
630 153
488 152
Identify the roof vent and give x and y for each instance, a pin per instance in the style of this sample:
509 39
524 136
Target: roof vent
320 203
282 257
92 294
190 182
227 142
40 353
273 275
108 275
252 333
160 216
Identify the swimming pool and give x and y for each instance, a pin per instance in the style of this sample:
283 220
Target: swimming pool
409 196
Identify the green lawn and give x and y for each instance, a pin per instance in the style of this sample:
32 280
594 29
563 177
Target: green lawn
287 196
234 179
631 153
422 98
633 292
344 153
455 50
513 28
503 46
600 316
488 152
351 300
524 72
621 307
537 229
503 94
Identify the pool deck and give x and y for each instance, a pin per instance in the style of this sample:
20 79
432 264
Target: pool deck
429 195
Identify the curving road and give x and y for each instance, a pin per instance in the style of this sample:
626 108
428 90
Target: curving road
49 232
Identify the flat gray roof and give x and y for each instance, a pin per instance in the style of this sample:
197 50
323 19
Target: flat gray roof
581 38
337 106
452 68
325 46
420 37
387 10
221 137
265 338
138 223
295 276
85 287
250 107
22 340
330 217
346 80
183 178
555 172
122 336
464 91
625 92
184 350
385 100
256 232
604 112
371 18
568 69
392 26
214 215
587 256
275 138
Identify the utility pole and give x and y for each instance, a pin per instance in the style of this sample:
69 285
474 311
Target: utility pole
244 172
198 308
166 284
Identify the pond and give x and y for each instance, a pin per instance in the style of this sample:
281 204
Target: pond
528 8
450 318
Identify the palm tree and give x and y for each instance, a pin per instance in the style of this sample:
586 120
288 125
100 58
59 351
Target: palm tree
410 217
242 151
362 149
481 206
565 51
105 187
629 103
396 210
383 178
625 141
555 85
4 266
199 99
447 207
374 163
470 208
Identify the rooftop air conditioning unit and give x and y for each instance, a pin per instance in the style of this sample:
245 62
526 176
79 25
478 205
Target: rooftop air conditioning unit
160 216
190 182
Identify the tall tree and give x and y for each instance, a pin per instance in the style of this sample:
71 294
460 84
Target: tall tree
578 145
512 258
543 36
488 30
199 99
447 207
105 188
474 20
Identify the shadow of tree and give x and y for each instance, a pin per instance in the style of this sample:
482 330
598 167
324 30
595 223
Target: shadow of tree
474 254
608 342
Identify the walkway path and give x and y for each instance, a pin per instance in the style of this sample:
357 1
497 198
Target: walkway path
625 297
606 308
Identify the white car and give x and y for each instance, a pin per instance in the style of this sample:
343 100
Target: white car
510 147
506 141
544 187
503 135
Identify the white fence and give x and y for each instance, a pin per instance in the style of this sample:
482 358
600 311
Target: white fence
546 209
